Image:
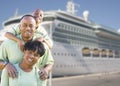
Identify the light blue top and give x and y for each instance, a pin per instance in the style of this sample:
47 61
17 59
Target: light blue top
24 78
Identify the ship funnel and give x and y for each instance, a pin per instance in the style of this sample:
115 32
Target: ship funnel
86 15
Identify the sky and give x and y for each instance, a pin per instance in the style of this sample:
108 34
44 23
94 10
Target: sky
105 12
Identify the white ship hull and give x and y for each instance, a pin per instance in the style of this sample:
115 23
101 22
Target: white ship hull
77 65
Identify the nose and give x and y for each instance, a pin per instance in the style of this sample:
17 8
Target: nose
27 28
32 56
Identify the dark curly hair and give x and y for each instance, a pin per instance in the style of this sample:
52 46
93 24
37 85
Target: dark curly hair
35 46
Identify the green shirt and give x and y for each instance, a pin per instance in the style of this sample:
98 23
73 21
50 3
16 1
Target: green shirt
40 32
9 50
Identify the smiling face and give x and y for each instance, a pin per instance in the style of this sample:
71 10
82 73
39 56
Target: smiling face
38 14
31 57
27 27
33 50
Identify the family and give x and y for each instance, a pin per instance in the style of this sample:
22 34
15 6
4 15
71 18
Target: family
25 57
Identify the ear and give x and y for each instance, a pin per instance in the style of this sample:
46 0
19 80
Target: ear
23 49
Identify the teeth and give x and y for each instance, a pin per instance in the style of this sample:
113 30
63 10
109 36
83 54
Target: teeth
30 60
28 32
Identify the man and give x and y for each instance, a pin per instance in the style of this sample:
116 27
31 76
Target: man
11 54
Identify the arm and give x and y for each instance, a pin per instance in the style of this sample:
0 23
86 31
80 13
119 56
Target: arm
42 33
12 34
47 41
46 63
4 60
3 55
44 72
48 68
13 37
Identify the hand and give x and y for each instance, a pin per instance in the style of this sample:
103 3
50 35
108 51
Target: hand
12 72
40 39
43 74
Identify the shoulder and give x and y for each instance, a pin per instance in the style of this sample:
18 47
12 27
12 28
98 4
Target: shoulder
15 29
8 42
40 27
15 26
16 66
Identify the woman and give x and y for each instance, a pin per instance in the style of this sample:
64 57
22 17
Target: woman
27 74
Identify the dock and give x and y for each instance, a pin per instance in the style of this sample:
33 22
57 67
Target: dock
105 79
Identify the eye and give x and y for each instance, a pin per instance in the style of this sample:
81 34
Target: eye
36 55
41 15
23 25
29 52
31 26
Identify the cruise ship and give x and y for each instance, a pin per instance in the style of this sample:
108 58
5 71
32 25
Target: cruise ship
80 46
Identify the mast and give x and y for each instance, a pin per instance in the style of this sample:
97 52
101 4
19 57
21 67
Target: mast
70 7
16 13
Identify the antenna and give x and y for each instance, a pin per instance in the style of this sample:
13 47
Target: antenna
71 7
16 12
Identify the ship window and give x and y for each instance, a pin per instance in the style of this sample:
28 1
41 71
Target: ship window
71 54
61 54
68 54
61 66
61 25
117 54
48 19
74 54
65 54
58 54
54 53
